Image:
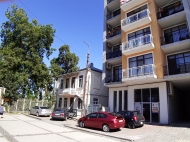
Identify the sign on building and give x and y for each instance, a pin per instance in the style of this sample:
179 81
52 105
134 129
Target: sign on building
155 107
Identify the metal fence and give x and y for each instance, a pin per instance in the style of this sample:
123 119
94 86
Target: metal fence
24 105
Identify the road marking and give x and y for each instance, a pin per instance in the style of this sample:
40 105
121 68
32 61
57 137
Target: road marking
5 134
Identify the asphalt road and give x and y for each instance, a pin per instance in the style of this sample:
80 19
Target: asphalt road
20 128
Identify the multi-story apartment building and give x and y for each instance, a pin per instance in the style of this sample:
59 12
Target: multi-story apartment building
147 64
70 89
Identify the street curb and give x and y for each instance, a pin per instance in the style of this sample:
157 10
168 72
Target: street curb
31 116
118 138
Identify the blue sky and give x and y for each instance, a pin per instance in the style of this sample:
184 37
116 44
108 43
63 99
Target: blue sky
75 21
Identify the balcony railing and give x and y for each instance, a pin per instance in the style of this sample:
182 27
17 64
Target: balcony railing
139 71
178 69
113 78
124 1
113 14
113 54
175 37
117 32
134 43
108 1
67 91
133 18
169 11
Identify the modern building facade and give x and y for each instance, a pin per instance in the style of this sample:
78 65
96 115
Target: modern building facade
146 51
70 89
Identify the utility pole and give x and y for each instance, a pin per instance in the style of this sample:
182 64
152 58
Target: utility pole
86 80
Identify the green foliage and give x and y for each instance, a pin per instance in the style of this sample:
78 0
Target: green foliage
23 46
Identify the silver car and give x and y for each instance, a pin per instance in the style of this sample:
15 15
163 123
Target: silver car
40 111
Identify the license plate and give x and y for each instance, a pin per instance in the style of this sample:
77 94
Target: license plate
56 114
120 120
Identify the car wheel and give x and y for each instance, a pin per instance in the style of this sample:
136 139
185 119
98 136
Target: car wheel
65 118
37 114
105 128
131 125
81 124
141 125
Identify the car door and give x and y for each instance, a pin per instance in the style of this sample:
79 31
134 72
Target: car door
90 120
101 119
127 116
32 110
36 109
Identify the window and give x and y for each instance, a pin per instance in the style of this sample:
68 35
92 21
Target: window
81 81
101 115
115 101
92 115
79 103
117 73
73 82
176 34
136 63
60 102
125 99
137 10
120 100
95 101
61 85
67 83
139 33
179 63
65 102
71 102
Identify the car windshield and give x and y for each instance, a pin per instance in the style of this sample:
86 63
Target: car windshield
62 110
136 113
43 107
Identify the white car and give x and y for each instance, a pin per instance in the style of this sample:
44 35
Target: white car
40 111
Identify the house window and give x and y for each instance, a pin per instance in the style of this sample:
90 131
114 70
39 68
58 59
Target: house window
141 65
73 82
60 102
71 102
125 99
80 81
95 101
120 100
139 33
79 103
65 102
179 63
117 73
115 101
61 85
67 83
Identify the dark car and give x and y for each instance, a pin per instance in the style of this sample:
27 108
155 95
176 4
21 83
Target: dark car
102 120
59 114
133 118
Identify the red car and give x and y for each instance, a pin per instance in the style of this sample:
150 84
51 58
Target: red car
102 120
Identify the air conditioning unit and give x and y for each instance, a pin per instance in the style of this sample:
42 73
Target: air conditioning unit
108 65
170 89
109 44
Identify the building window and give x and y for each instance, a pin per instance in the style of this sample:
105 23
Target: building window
115 101
141 65
71 102
80 81
65 102
61 85
73 82
139 33
117 73
67 83
125 99
79 103
179 63
60 102
95 101
120 100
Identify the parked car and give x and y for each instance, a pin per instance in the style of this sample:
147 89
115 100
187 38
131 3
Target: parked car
59 114
40 111
133 118
102 120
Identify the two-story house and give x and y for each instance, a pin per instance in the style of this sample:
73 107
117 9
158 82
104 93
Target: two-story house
147 64
70 89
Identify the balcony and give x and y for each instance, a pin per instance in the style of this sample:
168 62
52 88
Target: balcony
137 20
140 72
113 78
178 41
114 37
113 4
113 57
71 92
167 17
128 4
114 17
138 45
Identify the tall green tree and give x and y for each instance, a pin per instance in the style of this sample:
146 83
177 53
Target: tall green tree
24 45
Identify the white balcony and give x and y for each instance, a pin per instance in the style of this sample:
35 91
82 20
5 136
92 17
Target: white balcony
140 72
137 20
71 92
138 45
113 4
128 4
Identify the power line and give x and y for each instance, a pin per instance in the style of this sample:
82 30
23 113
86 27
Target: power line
55 34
